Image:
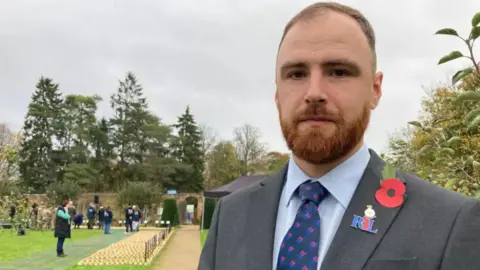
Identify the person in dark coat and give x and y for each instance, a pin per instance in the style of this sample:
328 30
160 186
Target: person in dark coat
129 219
137 216
91 213
62 227
77 220
72 211
101 219
108 217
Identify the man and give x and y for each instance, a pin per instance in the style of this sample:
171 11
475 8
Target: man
101 217
137 216
72 211
108 217
128 220
310 215
34 216
91 213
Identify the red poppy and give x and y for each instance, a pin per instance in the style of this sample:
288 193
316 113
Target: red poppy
391 193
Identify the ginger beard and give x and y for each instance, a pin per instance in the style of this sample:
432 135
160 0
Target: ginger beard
313 146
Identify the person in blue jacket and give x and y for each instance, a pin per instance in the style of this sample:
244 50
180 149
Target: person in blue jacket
62 226
91 213
129 220
137 216
108 217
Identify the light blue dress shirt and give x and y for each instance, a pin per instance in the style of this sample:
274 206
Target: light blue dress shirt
340 182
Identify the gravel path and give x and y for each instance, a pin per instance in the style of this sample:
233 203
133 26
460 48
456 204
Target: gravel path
183 250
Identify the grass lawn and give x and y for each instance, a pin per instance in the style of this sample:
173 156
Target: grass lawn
203 236
13 247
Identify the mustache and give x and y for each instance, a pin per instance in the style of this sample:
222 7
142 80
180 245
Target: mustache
316 113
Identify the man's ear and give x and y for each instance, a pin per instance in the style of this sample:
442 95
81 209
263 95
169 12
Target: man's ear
377 90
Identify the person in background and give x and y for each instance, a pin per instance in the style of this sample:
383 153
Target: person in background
91 213
62 227
77 220
101 220
108 217
137 216
34 216
72 211
128 219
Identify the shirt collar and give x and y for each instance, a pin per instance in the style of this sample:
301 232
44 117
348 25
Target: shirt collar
340 182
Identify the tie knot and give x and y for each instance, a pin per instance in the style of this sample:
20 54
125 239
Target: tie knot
312 191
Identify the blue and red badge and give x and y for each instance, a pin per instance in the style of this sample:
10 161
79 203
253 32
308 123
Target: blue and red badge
390 194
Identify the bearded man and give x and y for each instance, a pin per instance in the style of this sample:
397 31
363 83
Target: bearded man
331 207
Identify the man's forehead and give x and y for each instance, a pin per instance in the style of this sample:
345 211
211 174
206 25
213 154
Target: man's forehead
330 33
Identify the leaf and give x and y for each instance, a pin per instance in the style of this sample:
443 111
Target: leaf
450 183
415 123
449 57
448 151
469 161
454 141
475 33
437 162
477 194
476 19
472 114
476 165
461 74
468 96
389 171
424 150
474 124
447 31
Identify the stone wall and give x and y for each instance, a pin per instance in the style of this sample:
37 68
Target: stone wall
110 199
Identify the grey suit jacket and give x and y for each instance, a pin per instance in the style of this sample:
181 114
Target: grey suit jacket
433 229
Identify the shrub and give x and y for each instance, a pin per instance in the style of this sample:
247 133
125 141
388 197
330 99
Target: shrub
143 194
170 212
209 209
58 192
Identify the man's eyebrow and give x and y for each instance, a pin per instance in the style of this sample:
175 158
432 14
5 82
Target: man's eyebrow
328 63
342 62
293 64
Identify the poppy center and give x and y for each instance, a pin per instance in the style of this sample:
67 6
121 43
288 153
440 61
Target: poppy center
391 192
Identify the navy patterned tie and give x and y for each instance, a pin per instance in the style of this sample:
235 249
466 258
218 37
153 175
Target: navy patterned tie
299 248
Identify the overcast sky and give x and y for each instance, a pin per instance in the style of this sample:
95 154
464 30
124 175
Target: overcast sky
216 55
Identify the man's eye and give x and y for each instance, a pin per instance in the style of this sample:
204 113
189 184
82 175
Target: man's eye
339 73
297 75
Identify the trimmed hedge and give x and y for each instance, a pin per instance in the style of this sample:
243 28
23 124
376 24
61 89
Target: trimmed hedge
209 209
170 212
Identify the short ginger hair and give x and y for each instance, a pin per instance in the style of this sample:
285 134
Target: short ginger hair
319 8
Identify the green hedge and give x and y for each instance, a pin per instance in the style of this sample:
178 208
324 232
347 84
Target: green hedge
170 212
209 209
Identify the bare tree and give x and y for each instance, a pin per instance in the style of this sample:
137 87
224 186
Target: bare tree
8 146
249 149
209 138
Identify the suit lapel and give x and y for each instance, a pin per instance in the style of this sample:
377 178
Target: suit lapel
351 248
261 221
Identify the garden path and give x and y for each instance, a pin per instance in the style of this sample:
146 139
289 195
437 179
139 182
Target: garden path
183 250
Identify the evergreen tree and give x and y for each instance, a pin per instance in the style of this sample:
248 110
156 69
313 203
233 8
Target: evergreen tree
103 154
78 124
130 115
188 149
40 131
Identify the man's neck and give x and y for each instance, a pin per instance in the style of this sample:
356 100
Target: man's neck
319 170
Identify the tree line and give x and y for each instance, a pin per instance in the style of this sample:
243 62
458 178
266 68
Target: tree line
64 148
443 145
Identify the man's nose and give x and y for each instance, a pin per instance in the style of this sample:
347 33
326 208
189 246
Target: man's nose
316 89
